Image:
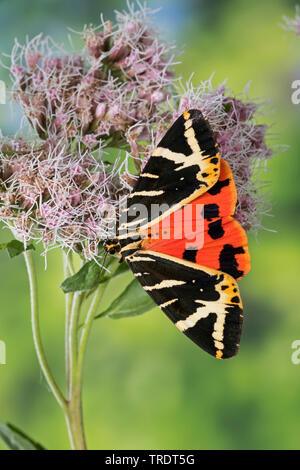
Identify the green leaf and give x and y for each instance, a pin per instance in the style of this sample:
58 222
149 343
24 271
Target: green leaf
15 247
15 439
85 279
131 302
122 269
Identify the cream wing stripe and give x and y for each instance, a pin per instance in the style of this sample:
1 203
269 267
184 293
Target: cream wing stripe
169 302
146 193
149 175
167 283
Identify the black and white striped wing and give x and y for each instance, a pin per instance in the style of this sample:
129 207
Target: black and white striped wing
203 303
185 164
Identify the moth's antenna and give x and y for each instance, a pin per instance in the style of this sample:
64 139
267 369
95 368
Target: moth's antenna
103 264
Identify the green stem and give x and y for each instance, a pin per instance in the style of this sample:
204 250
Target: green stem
74 418
86 332
68 309
37 334
76 355
75 423
73 337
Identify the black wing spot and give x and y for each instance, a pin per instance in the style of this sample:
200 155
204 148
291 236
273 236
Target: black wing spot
217 188
190 255
228 262
215 229
235 299
211 211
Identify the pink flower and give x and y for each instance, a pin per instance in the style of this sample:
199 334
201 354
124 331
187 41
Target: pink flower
76 170
75 198
17 71
90 140
130 59
60 120
157 96
238 110
51 63
52 94
32 58
113 111
138 68
100 110
37 79
104 128
132 138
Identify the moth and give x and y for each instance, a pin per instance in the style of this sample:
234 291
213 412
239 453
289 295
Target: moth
188 254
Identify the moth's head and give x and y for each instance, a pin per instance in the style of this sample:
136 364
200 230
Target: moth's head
112 246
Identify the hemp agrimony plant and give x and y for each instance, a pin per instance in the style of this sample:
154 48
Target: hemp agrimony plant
95 116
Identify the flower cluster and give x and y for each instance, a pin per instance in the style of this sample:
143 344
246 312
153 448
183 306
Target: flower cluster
118 93
242 144
112 91
58 198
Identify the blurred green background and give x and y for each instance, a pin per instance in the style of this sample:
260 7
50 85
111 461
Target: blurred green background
146 386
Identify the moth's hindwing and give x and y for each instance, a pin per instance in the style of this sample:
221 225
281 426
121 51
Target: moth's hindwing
223 243
203 303
185 164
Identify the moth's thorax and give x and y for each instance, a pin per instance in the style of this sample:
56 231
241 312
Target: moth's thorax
112 246
131 243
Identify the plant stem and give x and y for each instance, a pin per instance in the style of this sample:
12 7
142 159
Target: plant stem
75 417
86 331
37 334
68 308
73 337
74 421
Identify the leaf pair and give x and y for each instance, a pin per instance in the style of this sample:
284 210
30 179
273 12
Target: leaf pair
89 276
131 302
85 279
